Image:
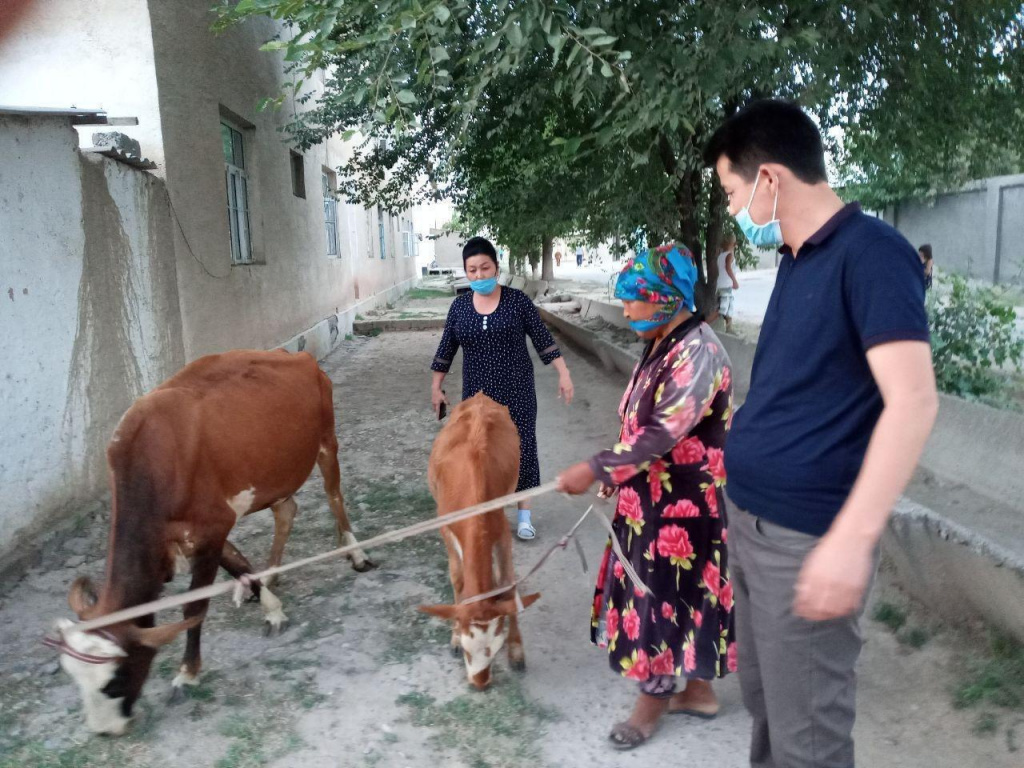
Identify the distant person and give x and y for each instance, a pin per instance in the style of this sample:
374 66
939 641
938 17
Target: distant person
558 258
491 324
925 254
579 256
727 282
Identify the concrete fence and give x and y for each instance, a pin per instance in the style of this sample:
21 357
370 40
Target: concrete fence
977 231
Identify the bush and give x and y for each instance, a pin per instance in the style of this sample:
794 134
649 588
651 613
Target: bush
975 342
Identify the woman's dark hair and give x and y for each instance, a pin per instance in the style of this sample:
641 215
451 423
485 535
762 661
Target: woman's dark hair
926 251
770 131
479 246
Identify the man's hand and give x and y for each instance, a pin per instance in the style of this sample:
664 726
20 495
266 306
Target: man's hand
576 479
833 579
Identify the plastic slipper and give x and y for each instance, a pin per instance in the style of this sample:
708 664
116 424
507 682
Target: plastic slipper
526 531
625 736
693 713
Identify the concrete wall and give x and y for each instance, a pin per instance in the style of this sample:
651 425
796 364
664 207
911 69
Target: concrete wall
158 61
294 285
89 312
978 231
93 55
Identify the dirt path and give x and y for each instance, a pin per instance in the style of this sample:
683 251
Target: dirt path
361 679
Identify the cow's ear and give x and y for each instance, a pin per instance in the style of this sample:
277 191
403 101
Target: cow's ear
155 637
82 596
446 612
507 606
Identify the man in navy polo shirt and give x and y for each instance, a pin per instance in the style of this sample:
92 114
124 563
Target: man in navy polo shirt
842 398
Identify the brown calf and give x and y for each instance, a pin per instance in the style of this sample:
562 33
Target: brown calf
476 458
228 435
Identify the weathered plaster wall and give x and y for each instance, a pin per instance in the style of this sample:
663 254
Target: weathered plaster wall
89 315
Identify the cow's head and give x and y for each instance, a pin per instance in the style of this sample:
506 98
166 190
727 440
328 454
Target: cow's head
482 629
110 665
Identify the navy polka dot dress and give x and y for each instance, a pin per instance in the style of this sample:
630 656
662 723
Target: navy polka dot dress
497 363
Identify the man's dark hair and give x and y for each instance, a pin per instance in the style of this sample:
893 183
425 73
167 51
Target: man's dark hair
926 251
477 246
770 131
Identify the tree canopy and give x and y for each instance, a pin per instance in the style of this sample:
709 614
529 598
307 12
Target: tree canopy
542 118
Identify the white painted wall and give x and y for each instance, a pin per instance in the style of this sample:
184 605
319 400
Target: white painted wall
89 314
91 55
295 285
159 61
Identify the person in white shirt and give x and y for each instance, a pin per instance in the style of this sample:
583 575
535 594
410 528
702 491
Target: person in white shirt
727 282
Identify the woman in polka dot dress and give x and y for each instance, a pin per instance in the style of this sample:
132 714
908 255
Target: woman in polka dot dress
491 324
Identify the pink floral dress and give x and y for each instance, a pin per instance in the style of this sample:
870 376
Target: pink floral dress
670 519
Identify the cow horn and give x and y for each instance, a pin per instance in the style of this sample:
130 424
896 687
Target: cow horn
82 596
155 637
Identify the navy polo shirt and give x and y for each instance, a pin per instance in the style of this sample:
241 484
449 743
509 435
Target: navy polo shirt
797 444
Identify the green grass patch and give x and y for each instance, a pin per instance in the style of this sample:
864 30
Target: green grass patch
258 737
915 637
995 678
428 293
891 615
497 728
986 724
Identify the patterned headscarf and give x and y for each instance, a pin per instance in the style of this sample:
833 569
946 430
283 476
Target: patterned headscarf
662 275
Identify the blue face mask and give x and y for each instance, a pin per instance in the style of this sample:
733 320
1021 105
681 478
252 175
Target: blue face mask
767 235
656 320
485 287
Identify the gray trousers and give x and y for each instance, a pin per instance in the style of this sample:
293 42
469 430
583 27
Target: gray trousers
797 677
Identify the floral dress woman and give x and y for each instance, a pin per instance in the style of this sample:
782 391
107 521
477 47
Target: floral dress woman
670 518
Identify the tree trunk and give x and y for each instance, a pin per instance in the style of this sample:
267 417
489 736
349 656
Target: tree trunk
547 259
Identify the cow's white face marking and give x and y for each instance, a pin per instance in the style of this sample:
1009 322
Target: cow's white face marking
102 713
242 501
482 643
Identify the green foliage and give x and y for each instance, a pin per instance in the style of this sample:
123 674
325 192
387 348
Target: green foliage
975 341
543 118
915 637
890 615
995 678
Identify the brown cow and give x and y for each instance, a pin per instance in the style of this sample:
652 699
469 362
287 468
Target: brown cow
228 435
476 458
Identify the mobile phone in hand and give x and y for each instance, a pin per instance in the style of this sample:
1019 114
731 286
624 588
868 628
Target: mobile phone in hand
443 410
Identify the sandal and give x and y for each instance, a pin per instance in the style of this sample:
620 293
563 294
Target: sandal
526 531
693 713
625 736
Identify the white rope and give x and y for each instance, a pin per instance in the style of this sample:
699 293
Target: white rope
238 586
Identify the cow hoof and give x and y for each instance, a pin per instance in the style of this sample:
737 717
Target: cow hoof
177 696
456 650
270 629
366 565
519 665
